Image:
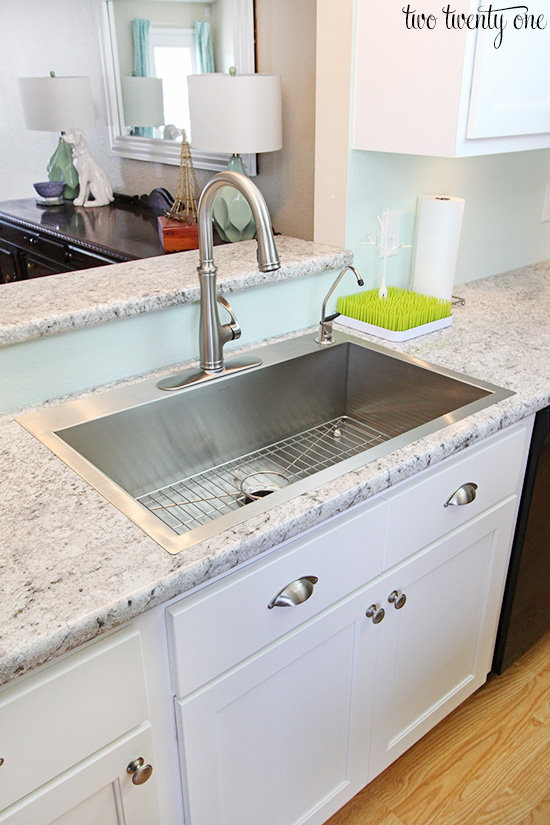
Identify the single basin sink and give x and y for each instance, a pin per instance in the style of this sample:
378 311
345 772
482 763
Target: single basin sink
189 464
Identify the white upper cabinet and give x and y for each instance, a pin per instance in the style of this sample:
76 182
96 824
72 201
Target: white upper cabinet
423 87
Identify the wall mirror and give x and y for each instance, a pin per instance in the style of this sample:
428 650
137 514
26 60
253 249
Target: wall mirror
171 39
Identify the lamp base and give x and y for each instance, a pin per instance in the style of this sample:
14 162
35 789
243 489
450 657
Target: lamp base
232 215
61 168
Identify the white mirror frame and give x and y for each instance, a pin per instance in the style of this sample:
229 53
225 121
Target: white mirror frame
168 151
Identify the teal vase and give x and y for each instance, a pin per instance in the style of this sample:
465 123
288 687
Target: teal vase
61 167
232 215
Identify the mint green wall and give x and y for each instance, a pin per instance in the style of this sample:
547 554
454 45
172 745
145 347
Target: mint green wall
504 197
56 365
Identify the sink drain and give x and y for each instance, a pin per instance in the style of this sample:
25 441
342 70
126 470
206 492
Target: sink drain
260 484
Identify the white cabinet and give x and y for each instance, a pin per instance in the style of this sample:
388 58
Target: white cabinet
294 732
282 735
284 738
69 733
436 640
511 85
449 91
224 623
96 791
315 699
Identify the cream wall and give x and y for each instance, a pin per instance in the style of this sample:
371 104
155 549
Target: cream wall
286 46
332 117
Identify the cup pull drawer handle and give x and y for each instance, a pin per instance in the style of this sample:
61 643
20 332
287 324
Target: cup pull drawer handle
294 593
464 495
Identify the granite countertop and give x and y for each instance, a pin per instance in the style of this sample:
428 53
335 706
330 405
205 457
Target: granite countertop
59 303
72 566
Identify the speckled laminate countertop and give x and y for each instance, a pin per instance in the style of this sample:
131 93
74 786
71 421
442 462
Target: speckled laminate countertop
59 303
72 566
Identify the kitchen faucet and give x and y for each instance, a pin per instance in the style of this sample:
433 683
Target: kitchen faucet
325 325
212 334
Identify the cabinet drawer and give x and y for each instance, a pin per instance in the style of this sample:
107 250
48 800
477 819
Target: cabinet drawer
417 513
60 255
224 623
82 258
69 710
38 243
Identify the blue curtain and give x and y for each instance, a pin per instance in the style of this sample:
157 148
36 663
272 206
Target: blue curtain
142 62
205 57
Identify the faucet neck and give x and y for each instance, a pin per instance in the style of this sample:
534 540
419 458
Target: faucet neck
268 259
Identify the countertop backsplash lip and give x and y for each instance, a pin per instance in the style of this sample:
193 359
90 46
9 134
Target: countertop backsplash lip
71 572
58 303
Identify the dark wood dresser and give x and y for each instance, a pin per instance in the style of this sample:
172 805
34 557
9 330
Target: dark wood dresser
43 240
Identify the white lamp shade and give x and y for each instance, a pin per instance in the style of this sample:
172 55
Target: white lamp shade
235 115
57 104
142 101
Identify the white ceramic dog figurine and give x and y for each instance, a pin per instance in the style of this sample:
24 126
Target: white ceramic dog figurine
91 177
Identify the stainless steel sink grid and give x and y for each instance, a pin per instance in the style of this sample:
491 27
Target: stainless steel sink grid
309 413
196 500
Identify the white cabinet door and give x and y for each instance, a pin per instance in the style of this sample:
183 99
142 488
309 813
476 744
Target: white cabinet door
68 710
436 649
97 791
431 89
284 738
511 84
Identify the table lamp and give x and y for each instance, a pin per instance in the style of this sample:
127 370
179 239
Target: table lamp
58 104
235 113
142 102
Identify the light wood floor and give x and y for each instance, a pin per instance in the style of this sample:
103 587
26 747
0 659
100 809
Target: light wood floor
488 763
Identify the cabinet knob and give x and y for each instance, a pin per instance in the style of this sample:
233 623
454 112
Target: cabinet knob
376 613
32 239
294 593
397 598
464 495
141 772
1 761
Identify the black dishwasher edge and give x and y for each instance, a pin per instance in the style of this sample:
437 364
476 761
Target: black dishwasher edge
541 430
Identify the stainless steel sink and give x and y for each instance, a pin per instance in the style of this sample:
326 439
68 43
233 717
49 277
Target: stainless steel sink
188 465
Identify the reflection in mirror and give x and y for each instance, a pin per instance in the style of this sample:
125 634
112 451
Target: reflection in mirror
149 49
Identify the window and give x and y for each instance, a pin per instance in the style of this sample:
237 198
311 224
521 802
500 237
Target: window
173 57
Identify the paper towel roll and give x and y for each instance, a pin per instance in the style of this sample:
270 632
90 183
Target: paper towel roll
437 236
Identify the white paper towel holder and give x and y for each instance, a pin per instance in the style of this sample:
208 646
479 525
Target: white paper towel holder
436 241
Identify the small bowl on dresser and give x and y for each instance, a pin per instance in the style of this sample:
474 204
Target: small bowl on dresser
50 188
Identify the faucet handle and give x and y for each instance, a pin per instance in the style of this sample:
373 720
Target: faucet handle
234 326
325 329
